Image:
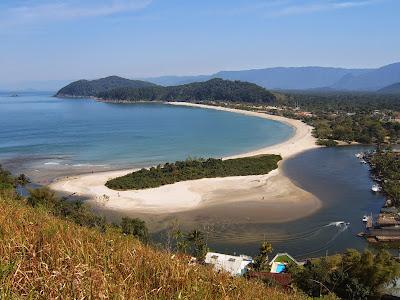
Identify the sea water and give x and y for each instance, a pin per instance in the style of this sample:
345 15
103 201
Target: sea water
40 133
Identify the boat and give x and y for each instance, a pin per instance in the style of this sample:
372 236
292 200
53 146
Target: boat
14 95
365 219
359 155
340 223
376 188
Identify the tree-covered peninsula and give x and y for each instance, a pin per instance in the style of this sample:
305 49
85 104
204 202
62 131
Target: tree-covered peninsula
191 169
90 88
212 90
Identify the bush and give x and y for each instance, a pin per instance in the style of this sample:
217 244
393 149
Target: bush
135 227
42 196
352 275
327 142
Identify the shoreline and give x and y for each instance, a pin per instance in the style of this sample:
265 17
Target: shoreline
274 189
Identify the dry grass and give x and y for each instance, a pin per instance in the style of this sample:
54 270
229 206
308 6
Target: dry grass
42 257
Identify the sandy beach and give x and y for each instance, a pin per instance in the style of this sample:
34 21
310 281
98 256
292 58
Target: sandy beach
279 197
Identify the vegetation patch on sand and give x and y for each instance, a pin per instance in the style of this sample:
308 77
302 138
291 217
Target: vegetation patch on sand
192 169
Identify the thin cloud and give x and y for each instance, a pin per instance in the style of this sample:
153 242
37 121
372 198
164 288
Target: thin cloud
308 7
250 8
66 10
276 8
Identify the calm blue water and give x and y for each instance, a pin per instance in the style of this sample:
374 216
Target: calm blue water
41 133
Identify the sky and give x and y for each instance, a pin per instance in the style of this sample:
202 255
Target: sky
55 40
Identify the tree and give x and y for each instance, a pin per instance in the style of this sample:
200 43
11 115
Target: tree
261 262
180 241
198 244
42 196
352 275
135 227
22 179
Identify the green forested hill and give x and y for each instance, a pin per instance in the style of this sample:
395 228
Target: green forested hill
211 90
85 88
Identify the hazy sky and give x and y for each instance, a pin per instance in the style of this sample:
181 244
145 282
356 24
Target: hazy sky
72 39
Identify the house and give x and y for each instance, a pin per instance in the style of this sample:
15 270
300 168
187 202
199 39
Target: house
304 114
282 279
280 261
234 265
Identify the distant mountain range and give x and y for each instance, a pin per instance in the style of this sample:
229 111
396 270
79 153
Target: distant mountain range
293 78
391 89
301 78
86 88
119 89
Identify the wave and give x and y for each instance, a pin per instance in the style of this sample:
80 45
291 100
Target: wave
51 163
87 165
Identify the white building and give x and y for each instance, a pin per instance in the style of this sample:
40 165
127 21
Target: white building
234 265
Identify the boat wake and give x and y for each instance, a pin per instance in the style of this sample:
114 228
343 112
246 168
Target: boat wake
339 224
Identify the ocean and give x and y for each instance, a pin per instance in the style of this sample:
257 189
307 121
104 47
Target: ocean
44 136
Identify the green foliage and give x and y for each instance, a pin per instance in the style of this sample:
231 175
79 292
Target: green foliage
386 165
211 90
352 275
327 142
86 88
194 169
135 227
359 128
42 196
7 181
197 244
347 102
75 211
261 261
22 180
361 117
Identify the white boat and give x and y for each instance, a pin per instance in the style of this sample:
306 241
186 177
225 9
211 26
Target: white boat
340 223
376 188
363 161
365 219
359 155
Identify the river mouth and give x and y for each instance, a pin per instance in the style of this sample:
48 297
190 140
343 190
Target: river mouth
334 175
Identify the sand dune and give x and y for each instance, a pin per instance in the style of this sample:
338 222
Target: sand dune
273 189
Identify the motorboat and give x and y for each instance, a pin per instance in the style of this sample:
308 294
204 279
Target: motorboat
376 188
341 223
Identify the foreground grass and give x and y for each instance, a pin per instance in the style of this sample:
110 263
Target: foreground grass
43 257
195 169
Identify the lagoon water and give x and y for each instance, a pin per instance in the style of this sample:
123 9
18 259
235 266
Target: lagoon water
42 135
